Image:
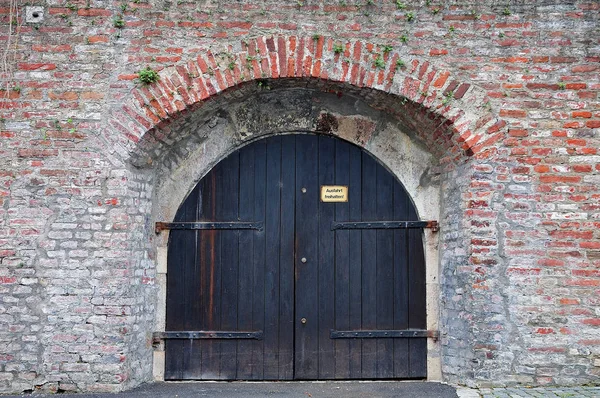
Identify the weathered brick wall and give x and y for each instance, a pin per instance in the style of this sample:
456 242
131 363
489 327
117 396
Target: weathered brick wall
517 143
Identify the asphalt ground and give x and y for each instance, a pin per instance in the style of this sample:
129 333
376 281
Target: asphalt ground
346 389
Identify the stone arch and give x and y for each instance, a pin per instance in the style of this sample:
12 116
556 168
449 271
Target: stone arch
451 115
450 118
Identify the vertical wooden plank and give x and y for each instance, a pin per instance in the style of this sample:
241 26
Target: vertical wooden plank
342 263
286 258
210 276
245 203
416 291
326 260
272 258
228 202
307 227
258 260
401 281
180 259
194 347
385 273
355 258
369 265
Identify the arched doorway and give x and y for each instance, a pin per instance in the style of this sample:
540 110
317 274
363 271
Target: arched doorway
275 282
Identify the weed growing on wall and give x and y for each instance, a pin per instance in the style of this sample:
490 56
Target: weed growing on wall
148 76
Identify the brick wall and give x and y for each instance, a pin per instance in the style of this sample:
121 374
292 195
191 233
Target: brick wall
505 94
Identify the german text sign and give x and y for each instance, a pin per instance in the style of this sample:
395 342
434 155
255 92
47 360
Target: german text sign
334 193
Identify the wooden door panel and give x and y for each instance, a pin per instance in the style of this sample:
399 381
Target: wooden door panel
296 267
306 259
342 265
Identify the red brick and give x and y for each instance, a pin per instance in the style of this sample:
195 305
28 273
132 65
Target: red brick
591 321
93 12
583 114
516 113
438 51
550 262
38 66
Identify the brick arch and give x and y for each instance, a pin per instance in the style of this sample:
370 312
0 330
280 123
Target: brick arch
452 116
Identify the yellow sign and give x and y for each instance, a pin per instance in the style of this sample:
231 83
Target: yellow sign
334 193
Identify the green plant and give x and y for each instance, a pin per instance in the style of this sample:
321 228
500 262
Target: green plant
379 62
562 85
410 16
501 34
119 22
506 11
370 2
343 3
299 3
123 7
71 7
404 39
400 5
16 89
435 11
400 64
451 29
263 84
148 75
387 49
231 65
448 97
338 48
316 37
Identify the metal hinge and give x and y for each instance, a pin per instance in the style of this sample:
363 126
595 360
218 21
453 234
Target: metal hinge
433 225
206 334
161 226
379 334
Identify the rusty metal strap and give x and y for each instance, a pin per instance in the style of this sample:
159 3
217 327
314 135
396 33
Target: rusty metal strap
207 334
379 334
385 225
160 226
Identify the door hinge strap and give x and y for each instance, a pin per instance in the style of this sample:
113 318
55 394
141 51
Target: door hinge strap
206 334
160 226
433 225
378 334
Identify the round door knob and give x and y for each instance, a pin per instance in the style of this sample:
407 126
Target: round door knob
303 321
303 190
303 259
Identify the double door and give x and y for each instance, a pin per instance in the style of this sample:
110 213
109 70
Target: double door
266 281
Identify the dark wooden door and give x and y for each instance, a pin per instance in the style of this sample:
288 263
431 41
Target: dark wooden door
295 280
